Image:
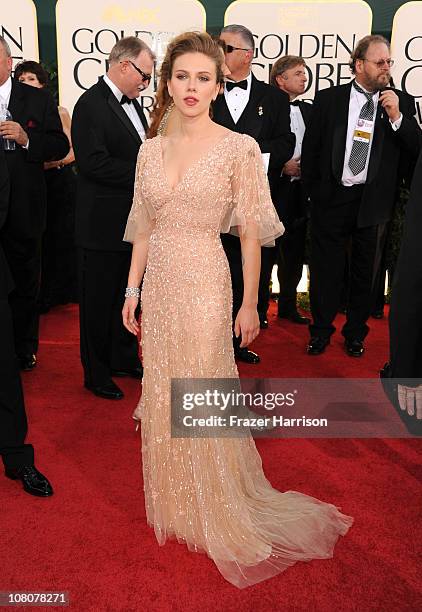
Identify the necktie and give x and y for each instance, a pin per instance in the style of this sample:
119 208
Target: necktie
231 85
125 100
360 150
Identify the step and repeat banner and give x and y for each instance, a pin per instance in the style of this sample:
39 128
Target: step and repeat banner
85 37
18 26
322 32
406 47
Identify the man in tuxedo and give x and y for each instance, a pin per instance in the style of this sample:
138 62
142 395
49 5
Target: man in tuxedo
249 106
108 128
289 74
36 131
350 165
18 457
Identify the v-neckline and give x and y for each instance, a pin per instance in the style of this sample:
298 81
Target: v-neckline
193 164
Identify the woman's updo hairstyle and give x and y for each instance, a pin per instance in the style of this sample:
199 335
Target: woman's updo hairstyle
188 42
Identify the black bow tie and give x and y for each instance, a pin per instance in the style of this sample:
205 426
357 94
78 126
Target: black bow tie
231 85
125 100
294 103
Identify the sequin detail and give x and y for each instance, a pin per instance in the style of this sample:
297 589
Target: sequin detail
211 494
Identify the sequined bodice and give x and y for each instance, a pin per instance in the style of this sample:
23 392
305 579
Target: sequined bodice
199 202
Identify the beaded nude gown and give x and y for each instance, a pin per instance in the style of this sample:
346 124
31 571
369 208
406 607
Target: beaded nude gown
212 493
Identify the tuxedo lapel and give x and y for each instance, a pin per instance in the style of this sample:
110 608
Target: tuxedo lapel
17 100
251 120
377 143
141 115
340 131
221 113
117 109
306 111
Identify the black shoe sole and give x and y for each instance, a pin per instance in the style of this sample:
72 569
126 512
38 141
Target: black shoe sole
104 395
318 352
26 489
120 374
255 362
355 355
28 368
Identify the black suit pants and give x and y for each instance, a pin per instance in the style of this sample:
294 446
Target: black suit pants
291 245
13 425
231 245
289 251
333 230
24 259
105 343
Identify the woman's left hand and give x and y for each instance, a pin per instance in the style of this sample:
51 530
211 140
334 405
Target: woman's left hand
247 324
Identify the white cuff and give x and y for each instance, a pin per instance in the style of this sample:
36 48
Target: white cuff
397 123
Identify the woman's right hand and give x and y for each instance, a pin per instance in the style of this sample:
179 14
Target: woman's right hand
128 313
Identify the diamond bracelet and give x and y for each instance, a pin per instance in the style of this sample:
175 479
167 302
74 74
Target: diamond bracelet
132 292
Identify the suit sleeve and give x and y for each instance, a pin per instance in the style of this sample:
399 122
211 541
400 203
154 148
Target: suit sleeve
91 153
409 133
4 190
312 146
50 143
281 145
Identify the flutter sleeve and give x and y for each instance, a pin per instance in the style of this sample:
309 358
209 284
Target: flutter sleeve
252 213
141 220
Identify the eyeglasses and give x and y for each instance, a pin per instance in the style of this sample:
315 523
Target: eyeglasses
380 64
145 77
230 49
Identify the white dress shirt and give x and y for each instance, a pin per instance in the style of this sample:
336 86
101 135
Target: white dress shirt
357 100
129 109
5 91
238 98
297 125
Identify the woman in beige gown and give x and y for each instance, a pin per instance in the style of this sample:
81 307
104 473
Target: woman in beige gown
211 493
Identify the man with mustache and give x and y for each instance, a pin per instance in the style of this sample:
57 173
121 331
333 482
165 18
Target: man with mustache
351 157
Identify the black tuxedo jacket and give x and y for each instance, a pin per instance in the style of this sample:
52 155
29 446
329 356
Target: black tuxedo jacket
324 149
406 301
288 207
106 146
37 113
267 119
6 283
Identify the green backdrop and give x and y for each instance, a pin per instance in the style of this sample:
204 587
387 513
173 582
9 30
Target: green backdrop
382 10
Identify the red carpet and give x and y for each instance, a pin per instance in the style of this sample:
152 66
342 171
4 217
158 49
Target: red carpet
91 539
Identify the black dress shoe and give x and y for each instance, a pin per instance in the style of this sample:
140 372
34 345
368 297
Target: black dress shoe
243 354
354 348
33 481
263 323
377 314
134 373
295 317
27 362
108 391
317 345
